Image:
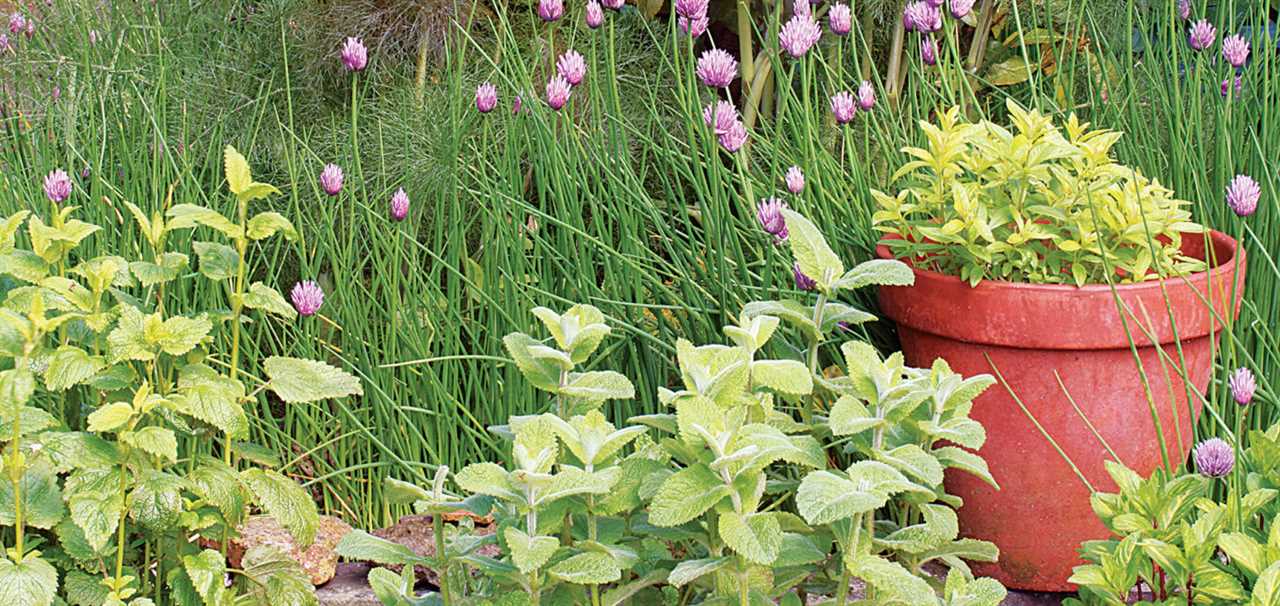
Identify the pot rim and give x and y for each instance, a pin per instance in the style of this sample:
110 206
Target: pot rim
1217 237
1067 317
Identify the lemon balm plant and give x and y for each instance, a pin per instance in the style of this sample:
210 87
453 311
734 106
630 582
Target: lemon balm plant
1031 203
112 508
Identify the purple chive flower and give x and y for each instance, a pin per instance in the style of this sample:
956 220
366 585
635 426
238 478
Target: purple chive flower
801 7
694 27
307 297
922 17
722 117
1214 458
961 8
717 68
31 28
558 89
1184 9
550 10
354 55
57 92
57 185
4 43
769 214
799 34
84 173
93 36
803 282
840 18
17 23
1202 35
935 3
399 205
866 96
1242 195
929 51
1242 385
614 4
795 180
572 67
486 97
516 104
331 179
691 9
1226 86
843 106
595 14
1235 49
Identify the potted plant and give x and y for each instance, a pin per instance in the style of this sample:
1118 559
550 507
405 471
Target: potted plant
1085 287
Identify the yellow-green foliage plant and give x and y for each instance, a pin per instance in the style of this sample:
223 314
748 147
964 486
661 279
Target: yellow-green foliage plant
1031 204
111 507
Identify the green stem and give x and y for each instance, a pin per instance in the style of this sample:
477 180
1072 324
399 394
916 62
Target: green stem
442 566
237 306
124 512
16 472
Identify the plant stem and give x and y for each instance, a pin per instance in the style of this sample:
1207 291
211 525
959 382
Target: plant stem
437 520
16 472
237 306
124 512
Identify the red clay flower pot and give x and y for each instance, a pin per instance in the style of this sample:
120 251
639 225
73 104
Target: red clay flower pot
1041 514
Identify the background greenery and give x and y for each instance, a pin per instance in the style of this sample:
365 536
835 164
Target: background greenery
618 207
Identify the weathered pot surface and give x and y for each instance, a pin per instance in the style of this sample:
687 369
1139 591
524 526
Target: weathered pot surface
1033 334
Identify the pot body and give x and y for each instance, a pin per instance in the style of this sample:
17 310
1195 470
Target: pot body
1033 334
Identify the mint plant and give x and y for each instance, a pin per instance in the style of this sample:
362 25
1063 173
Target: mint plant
735 503
119 498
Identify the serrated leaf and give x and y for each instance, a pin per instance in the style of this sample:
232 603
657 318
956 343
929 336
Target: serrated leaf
220 486
167 269
236 168
850 417
41 499
97 514
70 366
156 501
589 568
206 571
756 537
297 380
178 335
783 376
210 397
958 458
690 570
686 495
261 296
824 497
529 553
541 372
361 546
155 441
84 590
486 478
217 261
877 272
891 578
286 501
267 224
185 216
598 386
110 417
812 253
915 462
31 582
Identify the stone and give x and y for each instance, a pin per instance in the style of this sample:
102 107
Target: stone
319 560
349 587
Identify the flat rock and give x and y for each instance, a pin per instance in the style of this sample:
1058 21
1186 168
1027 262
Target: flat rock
319 560
349 587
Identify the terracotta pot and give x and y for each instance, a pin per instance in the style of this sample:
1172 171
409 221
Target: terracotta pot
1041 514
